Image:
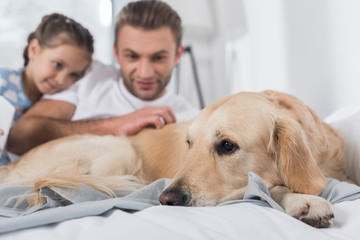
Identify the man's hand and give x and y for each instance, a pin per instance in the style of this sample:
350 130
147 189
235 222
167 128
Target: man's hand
132 123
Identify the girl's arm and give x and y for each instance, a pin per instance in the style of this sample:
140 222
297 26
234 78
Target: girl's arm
40 123
51 119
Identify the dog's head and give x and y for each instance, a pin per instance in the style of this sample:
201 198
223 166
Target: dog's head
265 133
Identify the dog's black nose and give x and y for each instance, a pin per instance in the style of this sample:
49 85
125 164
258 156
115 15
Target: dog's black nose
174 197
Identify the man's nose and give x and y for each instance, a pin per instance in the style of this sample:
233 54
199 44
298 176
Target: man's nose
145 69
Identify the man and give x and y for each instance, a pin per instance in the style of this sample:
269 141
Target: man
108 101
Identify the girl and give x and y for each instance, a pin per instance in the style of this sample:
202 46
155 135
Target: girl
57 55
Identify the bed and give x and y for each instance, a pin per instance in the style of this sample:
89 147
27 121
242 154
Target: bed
139 215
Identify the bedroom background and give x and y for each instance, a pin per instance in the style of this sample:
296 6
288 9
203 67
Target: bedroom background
304 47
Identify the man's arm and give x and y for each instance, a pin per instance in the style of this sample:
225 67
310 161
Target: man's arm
49 119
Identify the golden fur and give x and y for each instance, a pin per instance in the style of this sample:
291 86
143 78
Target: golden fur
272 134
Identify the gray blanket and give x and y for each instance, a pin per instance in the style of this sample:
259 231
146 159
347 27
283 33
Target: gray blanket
64 204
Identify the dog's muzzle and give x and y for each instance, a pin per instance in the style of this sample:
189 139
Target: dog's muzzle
174 197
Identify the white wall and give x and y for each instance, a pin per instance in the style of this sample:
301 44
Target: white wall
308 48
19 18
345 46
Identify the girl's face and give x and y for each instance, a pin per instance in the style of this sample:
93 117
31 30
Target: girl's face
56 69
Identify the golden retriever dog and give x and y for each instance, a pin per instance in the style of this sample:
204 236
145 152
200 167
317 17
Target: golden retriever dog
272 134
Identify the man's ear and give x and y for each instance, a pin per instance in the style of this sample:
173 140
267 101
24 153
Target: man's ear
178 55
116 54
33 48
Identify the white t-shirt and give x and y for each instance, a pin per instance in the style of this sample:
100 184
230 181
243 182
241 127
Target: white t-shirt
101 93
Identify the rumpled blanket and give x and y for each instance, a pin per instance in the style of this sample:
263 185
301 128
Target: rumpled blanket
63 204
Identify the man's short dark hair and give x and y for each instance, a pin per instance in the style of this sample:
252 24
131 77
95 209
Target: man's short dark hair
149 15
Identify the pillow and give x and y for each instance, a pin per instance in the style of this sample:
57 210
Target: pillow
347 121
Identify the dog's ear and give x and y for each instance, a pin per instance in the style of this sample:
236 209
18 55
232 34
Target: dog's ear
296 163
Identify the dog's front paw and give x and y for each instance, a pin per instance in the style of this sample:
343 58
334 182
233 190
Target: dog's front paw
312 210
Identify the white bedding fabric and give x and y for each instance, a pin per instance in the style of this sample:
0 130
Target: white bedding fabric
347 121
235 221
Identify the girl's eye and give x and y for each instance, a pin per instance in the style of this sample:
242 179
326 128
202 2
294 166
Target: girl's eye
57 65
75 75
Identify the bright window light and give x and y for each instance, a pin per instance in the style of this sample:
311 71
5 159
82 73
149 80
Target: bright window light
105 12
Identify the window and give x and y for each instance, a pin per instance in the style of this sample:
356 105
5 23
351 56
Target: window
19 18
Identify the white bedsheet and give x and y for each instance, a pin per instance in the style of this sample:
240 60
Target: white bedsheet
236 221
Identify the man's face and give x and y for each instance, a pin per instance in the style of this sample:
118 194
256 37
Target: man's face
147 58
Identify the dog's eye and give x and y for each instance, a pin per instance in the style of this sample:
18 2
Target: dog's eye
226 147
